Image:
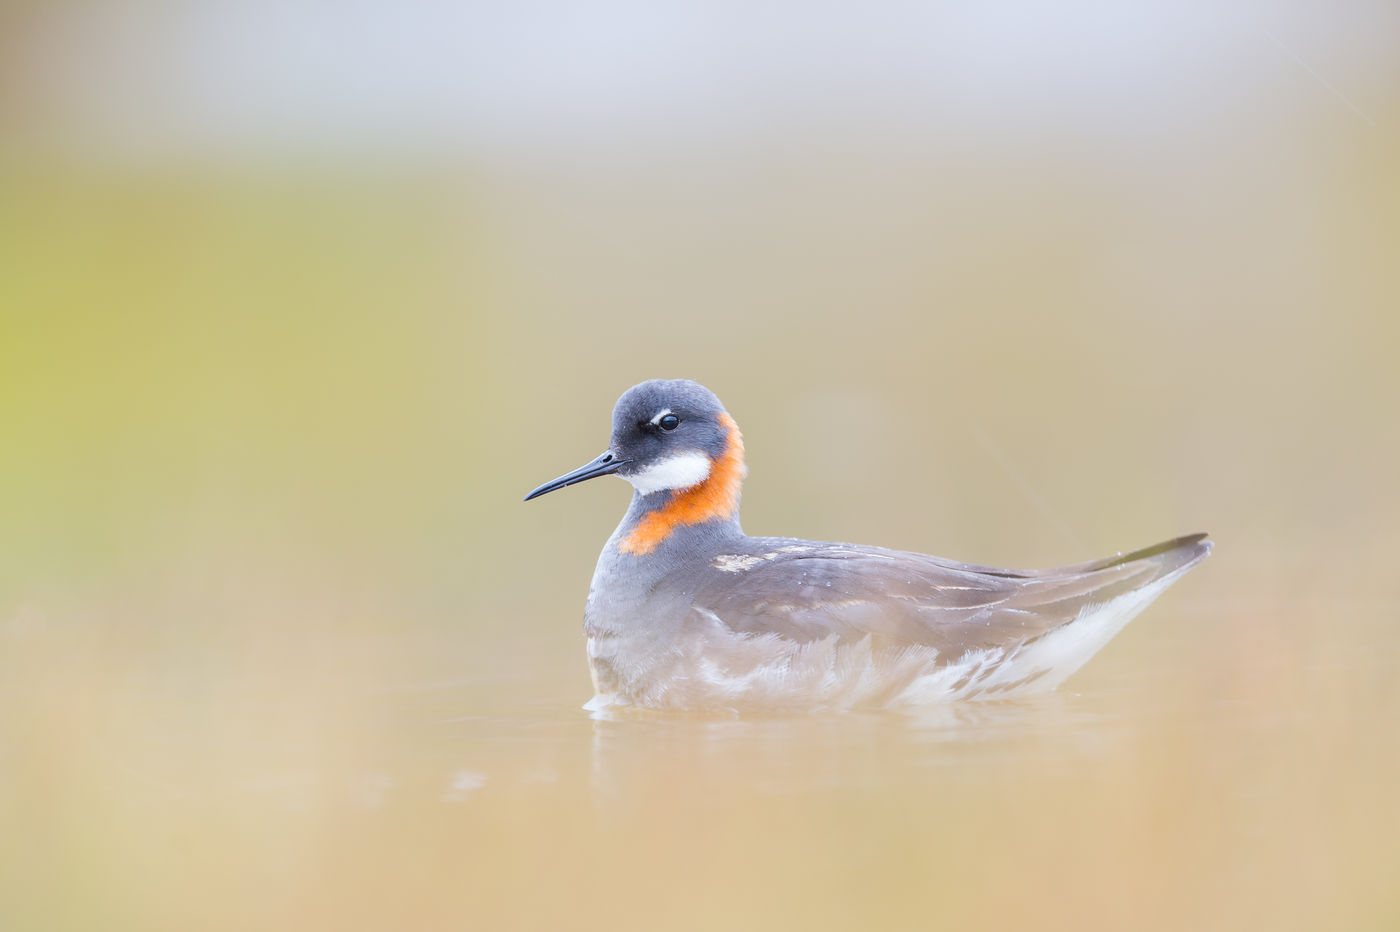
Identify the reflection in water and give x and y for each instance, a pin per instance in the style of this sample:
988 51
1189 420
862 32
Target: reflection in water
634 753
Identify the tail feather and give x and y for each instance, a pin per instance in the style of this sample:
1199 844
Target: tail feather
1169 556
1103 610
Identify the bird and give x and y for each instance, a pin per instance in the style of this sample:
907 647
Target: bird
686 612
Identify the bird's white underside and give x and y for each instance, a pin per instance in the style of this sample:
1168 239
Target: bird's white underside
719 668
677 472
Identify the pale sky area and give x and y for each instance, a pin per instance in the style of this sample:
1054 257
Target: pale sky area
234 76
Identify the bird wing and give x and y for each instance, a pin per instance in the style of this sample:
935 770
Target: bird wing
806 591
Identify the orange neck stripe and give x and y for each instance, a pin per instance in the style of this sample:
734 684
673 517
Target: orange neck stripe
716 497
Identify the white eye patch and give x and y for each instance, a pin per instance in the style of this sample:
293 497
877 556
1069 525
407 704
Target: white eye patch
659 415
676 472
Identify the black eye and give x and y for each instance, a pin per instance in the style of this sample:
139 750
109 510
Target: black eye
669 422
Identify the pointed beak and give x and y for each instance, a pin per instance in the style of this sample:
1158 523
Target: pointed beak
605 465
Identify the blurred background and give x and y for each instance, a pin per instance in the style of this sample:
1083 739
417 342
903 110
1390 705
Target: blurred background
298 299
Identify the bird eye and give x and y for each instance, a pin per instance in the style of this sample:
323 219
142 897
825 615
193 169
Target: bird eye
669 422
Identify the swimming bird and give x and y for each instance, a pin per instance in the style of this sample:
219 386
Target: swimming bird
687 612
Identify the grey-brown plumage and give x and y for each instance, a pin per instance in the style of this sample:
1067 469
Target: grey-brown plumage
806 590
686 611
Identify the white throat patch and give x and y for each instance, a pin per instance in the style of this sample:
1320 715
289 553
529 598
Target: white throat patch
677 472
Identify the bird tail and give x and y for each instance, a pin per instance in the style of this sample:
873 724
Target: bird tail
1095 600
1170 557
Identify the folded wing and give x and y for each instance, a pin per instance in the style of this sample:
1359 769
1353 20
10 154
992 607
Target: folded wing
807 591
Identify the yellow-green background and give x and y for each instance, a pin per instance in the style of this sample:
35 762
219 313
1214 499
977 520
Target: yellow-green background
280 647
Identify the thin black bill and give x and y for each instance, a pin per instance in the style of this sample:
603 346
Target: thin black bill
605 465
